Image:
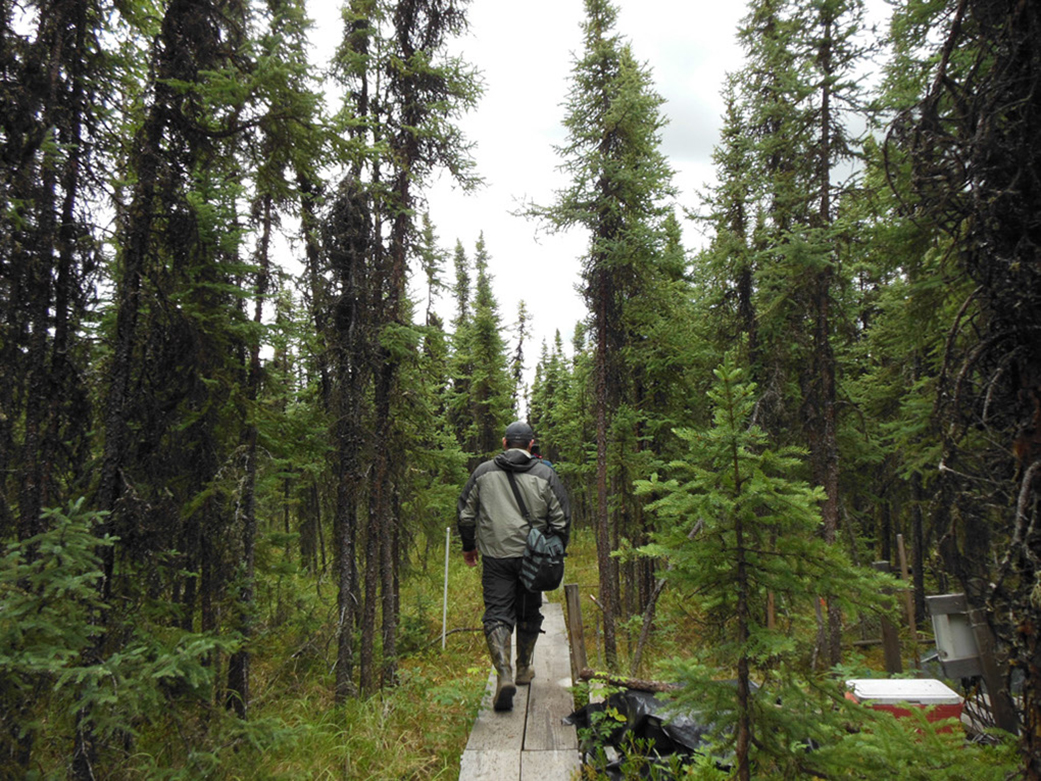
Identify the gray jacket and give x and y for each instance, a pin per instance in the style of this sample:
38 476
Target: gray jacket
489 518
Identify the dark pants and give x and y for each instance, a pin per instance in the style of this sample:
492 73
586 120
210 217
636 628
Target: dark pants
506 601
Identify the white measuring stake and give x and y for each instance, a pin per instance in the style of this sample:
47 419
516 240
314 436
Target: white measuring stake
444 612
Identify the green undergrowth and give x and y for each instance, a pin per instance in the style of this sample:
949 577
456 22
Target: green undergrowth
179 728
415 729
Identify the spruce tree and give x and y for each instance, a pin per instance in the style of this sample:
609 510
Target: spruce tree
736 529
347 236
517 361
619 180
274 154
404 89
546 395
492 387
177 374
54 149
461 359
481 400
781 231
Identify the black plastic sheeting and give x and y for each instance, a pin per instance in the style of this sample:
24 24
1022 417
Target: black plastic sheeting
665 733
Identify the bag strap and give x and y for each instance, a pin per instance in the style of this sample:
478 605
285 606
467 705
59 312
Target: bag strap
516 495
523 507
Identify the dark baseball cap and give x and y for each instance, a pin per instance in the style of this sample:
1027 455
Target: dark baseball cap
519 431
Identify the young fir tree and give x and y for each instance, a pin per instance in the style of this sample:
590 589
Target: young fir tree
619 181
461 358
736 528
492 389
52 672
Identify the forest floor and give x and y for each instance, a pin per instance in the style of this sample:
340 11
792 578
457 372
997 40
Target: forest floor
417 729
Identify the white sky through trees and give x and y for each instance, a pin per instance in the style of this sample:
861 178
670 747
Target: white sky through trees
526 52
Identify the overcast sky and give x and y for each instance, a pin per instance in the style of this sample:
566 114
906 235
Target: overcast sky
525 52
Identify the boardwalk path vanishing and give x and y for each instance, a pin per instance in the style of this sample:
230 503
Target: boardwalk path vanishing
529 743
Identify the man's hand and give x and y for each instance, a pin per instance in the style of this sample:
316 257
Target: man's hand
470 557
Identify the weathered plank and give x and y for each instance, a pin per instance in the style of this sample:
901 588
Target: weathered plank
549 765
499 731
544 731
550 700
528 743
490 765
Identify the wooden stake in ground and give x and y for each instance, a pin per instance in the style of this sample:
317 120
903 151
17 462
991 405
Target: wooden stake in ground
890 637
908 598
575 632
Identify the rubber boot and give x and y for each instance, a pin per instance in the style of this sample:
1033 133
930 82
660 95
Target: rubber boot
499 648
525 651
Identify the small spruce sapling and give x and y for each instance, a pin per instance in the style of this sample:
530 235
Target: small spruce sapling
737 526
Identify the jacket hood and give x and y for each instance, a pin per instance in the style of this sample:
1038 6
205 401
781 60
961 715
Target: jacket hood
515 460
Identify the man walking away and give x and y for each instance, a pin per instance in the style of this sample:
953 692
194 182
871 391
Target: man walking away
493 526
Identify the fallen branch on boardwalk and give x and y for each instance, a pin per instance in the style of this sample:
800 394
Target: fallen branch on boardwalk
627 683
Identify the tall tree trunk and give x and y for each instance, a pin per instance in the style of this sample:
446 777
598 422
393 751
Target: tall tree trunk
385 390
345 532
742 747
41 263
824 437
918 551
379 568
367 656
885 533
603 527
135 244
350 245
237 697
309 225
238 665
135 247
828 459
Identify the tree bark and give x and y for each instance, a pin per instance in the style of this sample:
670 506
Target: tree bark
238 665
603 527
822 423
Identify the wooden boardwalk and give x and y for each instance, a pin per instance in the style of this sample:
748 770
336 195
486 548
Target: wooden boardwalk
529 743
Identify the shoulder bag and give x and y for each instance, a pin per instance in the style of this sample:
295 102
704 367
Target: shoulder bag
543 565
